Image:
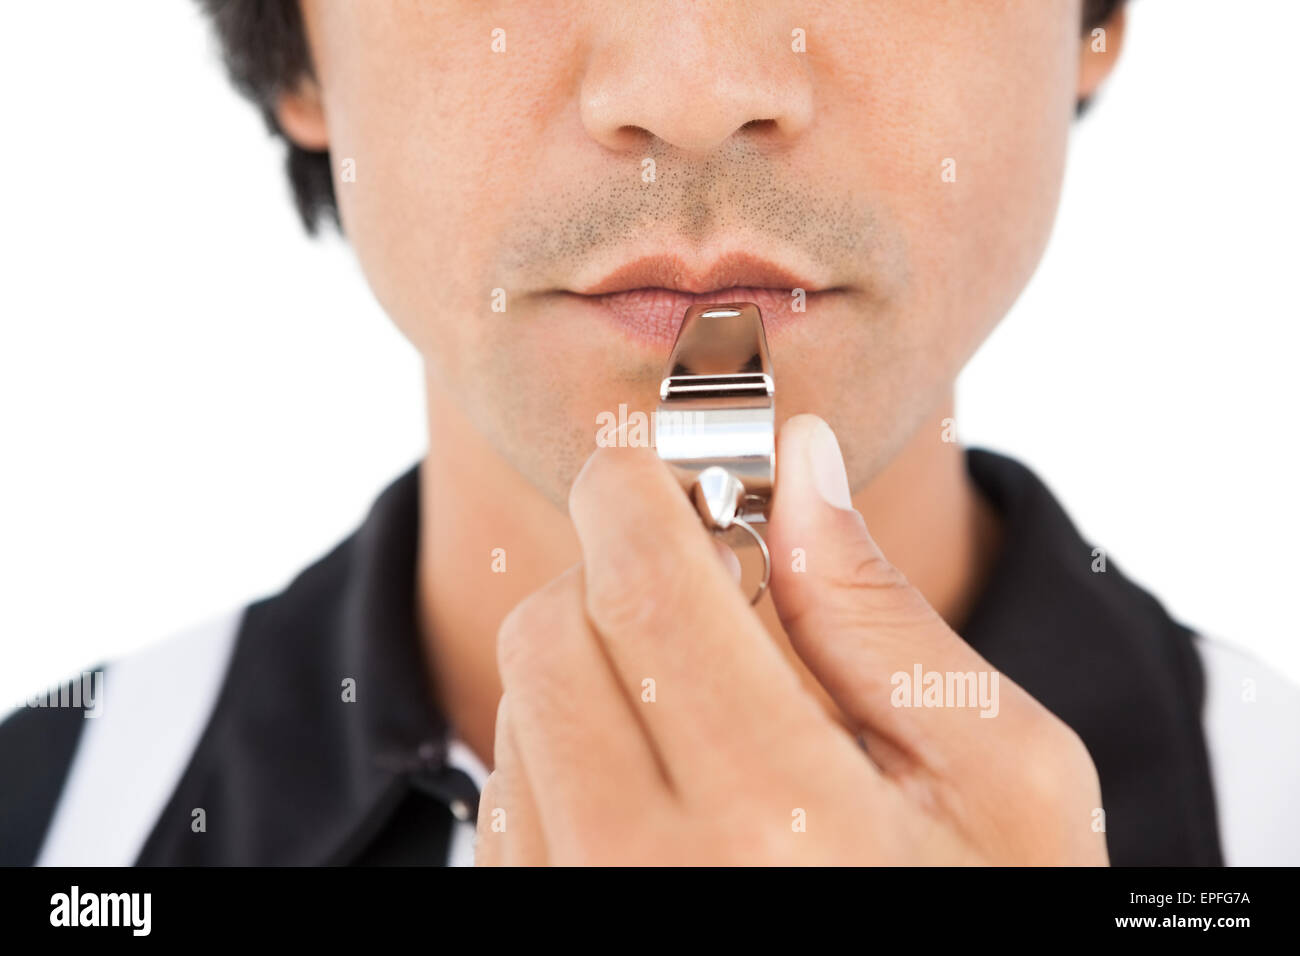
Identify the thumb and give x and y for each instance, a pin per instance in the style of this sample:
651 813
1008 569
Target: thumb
853 618
829 569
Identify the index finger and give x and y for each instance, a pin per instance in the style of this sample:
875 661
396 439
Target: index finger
713 687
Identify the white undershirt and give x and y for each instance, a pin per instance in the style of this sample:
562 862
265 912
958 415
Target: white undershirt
461 851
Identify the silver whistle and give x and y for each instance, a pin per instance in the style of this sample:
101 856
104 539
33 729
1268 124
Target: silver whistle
716 422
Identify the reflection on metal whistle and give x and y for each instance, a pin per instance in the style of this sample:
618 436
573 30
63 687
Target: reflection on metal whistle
716 422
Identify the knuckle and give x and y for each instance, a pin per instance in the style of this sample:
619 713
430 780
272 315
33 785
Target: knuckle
513 638
873 588
869 570
634 600
1057 763
521 634
534 642
517 637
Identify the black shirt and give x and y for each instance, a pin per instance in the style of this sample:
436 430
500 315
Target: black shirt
287 770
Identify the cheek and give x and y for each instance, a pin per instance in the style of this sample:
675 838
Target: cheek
994 220
442 133
996 151
960 122
993 94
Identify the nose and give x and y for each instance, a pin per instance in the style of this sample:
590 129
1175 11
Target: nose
693 74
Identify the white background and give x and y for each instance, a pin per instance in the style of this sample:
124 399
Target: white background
196 401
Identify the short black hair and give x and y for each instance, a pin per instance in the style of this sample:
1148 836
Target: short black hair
264 46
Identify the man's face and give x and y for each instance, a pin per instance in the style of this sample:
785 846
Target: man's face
903 169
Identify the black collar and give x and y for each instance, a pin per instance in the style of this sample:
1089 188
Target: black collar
287 772
324 730
1104 656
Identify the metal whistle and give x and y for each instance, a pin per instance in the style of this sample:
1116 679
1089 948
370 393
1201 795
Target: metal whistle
716 422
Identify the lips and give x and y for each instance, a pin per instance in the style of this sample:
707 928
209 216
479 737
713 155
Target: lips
671 272
649 297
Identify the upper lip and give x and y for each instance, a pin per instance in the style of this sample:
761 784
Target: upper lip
673 272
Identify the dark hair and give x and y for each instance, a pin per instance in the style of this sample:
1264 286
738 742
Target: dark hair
265 50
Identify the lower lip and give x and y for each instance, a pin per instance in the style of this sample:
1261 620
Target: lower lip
655 315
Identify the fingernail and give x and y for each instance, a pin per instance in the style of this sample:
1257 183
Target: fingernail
828 467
